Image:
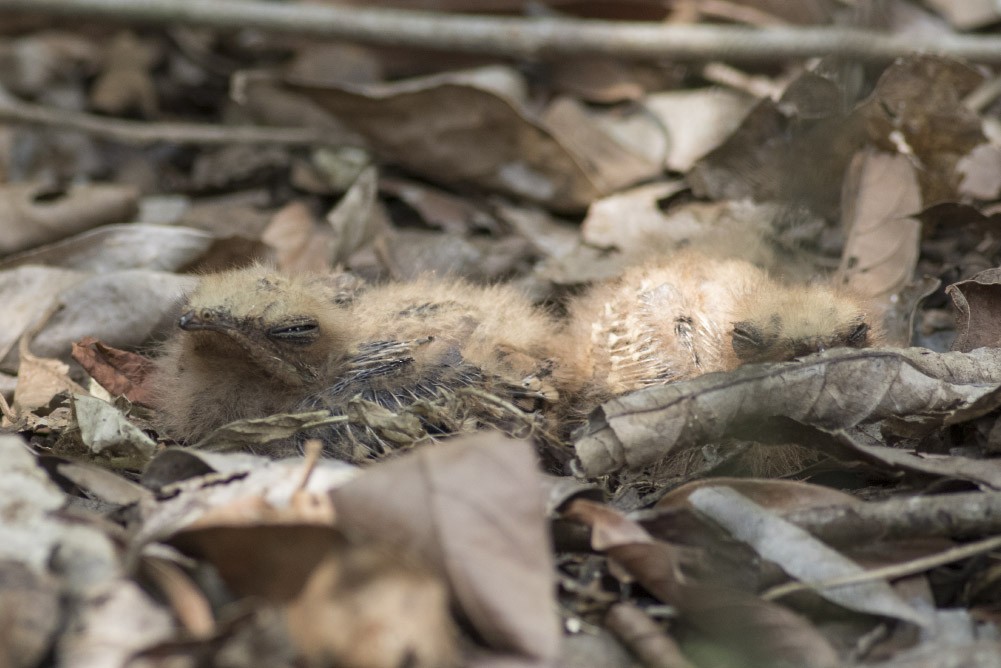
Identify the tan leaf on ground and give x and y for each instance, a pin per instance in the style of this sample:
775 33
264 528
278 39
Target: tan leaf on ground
118 247
104 429
978 305
836 389
466 129
120 372
35 215
300 242
473 509
881 194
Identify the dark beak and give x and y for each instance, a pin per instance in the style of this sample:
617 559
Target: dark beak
201 320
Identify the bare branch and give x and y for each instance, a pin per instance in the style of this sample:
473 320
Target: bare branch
14 110
522 37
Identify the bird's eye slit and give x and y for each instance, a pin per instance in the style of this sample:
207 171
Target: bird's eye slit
857 336
300 332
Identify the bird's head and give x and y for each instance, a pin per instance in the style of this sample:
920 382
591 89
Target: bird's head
286 327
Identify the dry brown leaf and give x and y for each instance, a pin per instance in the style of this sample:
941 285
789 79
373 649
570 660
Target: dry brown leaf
777 495
801 555
835 389
357 216
39 379
105 430
473 509
125 83
188 603
438 208
35 215
120 372
29 608
697 121
300 242
978 305
123 309
917 109
967 14
24 293
774 157
880 195
980 171
491 140
118 247
599 79
366 606
610 163
730 618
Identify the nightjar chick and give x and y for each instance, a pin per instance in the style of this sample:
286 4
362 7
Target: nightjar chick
450 355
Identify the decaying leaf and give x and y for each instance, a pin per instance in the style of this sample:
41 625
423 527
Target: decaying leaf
835 389
697 121
730 619
491 140
24 294
35 215
104 428
120 372
880 195
473 509
300 242
262 431
800 554
978 305
356 215
119 247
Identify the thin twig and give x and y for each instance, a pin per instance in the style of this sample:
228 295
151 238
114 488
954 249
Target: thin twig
14 110
904 569
521 37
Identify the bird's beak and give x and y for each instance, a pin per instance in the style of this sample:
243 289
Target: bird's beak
202 320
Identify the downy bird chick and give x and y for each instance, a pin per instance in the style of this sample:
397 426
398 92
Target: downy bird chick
679 317
253 342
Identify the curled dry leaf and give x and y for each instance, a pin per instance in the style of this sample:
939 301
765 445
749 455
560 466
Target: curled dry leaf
492 142
801 555
917 110
119 247
831 390
731 619
300 242
697 121
473 509
122 309
34 215
24 293
104 428
978 306
355 217
120 372
880 195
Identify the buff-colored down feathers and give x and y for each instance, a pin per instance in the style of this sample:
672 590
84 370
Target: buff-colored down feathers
255 342
675 319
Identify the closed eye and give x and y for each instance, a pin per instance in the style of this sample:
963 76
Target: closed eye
298 332
857 337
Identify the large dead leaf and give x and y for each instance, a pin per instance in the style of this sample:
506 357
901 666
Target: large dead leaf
120 372
880 195
24 294
917 110
122 309
464 128
800 554
697 121
978 305
104 428
34 215
729 618
473 509
835 389
119 247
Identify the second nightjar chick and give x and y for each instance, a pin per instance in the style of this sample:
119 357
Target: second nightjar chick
254 342
689 314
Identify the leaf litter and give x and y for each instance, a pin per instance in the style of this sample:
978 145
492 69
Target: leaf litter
654 538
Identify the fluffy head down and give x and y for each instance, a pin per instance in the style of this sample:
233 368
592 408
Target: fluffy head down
780 322
285 326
